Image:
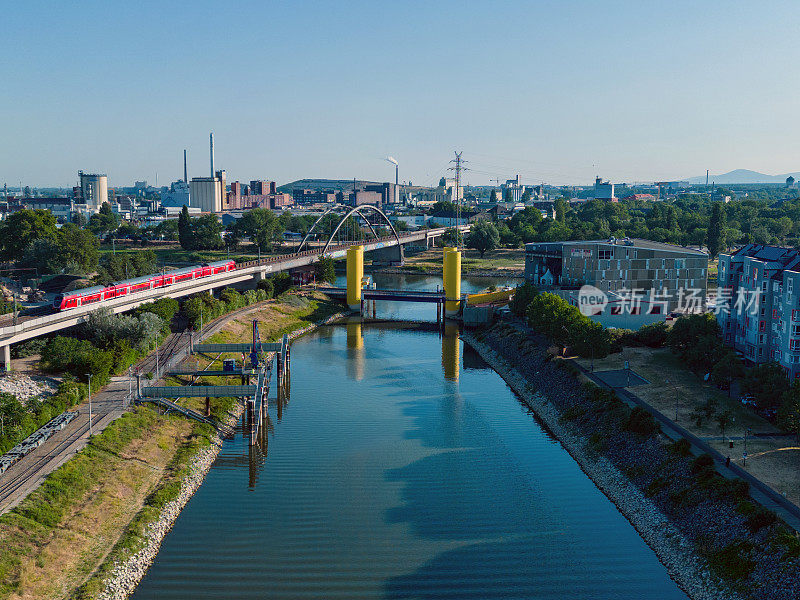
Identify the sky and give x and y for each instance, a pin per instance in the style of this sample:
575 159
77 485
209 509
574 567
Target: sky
556 91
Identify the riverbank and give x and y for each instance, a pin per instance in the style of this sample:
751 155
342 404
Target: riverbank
702 529
128 570
93 527
673 549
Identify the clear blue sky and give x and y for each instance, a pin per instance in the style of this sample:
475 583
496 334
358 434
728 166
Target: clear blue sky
557 91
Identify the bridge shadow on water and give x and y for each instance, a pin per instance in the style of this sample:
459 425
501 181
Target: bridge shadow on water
500 534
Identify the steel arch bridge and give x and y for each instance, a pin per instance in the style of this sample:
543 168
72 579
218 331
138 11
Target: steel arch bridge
360 211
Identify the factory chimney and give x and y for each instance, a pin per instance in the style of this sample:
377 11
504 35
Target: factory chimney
185 172
211 150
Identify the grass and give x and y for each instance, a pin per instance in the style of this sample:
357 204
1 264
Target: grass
58 535
93 511
500 259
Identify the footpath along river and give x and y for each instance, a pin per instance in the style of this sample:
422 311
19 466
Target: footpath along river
401 467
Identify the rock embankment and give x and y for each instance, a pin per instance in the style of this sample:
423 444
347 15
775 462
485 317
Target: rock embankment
26 388
701 518
673 549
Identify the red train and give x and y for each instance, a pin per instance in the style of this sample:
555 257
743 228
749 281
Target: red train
97 294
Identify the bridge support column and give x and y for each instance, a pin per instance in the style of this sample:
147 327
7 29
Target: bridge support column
7 358
452 281
355 274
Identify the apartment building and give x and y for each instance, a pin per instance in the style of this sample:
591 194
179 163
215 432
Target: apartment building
677 275
758 305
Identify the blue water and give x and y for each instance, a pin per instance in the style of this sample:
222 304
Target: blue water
401 467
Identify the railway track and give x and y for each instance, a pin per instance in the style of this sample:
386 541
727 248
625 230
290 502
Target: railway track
23 477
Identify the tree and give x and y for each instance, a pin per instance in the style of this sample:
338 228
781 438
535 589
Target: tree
483 237
493 197
726 370
207 232
789 413
77 246
185 234
716 229
561 209
21 228
767 383
79 219
724 419
523 296
105 221
261 226
325 270
450 237
526 196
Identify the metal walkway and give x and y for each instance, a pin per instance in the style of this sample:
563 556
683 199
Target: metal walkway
396 295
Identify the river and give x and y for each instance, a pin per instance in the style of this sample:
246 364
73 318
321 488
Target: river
401 467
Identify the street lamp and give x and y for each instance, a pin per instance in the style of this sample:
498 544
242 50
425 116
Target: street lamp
747 432
89 376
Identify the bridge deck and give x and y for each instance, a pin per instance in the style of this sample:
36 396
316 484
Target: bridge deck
397 295
199 391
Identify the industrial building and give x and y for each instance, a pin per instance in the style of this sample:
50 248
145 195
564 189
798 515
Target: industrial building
604 190
209 193
93 190
674 273
758 304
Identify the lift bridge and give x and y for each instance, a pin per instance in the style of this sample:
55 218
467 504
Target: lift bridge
255 377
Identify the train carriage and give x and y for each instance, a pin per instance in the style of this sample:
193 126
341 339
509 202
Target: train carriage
98 294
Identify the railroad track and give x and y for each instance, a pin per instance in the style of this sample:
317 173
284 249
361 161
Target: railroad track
22 478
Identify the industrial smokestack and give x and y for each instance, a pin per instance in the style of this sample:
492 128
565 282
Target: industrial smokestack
185 172
211 150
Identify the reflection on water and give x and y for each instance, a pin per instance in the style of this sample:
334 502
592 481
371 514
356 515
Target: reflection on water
355 349
413 311
417 478
451 350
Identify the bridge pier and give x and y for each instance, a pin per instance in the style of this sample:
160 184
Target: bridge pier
452 281
391 256
355 275
7 358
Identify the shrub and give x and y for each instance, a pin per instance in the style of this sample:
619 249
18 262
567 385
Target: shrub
281 282
702 462
165 308
681 447
522 298
733 562
267 286
641 422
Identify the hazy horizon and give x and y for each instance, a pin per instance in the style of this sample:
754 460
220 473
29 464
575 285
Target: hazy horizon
557 93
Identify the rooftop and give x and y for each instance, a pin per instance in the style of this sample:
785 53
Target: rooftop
629 242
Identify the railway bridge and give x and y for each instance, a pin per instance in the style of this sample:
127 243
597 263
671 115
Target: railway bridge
28 327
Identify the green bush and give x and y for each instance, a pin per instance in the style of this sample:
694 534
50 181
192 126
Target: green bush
522 298
733 562
681 447
79 358
702 462
281 282
165 308
642 422
267 286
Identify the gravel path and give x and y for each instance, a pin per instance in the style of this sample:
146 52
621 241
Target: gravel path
673 549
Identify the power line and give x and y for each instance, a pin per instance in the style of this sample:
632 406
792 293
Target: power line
459 166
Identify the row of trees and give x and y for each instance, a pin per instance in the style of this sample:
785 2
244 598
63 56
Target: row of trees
691 220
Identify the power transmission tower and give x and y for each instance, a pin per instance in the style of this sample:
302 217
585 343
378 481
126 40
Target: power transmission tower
458 168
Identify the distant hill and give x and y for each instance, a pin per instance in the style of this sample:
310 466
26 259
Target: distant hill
743 176
321 184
